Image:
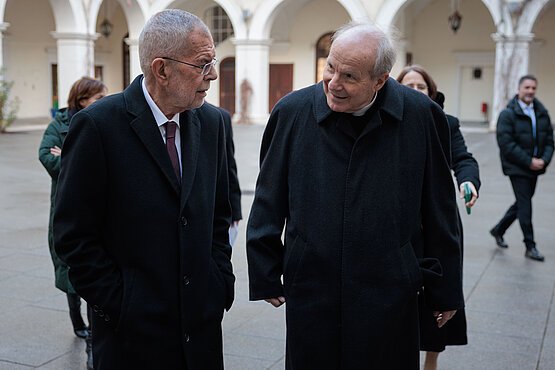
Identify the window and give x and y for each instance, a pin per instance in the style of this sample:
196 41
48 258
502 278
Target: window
219 23
322 51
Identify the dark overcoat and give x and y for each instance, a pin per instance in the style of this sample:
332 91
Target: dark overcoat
150 257
516 141
55 135
351 204
465 168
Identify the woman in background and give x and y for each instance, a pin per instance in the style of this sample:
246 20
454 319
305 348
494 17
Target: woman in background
433 339
83 93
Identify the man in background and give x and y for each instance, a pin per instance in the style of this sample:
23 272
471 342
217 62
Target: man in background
525 139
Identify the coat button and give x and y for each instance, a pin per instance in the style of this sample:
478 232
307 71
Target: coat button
186 280
187 338
183 221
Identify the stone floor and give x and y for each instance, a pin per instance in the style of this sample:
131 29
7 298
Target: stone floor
511 320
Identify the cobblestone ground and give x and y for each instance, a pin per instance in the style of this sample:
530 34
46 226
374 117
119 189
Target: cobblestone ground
511 320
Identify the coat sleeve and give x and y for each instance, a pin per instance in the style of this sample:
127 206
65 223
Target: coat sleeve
80 208
548 150
440 221
221 250
508 145
50 139
265 249
234 188
463 163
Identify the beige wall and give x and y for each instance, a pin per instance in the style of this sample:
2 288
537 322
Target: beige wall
109 51
311 22
545 32
434 45
25 55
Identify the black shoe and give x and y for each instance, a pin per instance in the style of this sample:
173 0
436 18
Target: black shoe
533 254
82 332
498 239
79 327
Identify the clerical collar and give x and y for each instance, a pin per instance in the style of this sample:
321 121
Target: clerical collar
363 110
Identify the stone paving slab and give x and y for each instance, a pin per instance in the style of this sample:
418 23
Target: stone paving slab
510 313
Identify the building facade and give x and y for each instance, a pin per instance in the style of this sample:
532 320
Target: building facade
267 48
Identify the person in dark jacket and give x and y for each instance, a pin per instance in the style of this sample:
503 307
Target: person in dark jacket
433 339
352 167
525 139
83 93
142 210
234 188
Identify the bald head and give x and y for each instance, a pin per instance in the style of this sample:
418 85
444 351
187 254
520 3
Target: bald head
371 42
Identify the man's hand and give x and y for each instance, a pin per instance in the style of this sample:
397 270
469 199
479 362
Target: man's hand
276 302
56 151
443 317
537 164
470 203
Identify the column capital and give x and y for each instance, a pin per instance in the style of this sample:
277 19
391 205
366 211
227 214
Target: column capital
525 37
75 36
131 42
249 42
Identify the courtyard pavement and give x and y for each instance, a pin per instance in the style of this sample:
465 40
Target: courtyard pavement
510 305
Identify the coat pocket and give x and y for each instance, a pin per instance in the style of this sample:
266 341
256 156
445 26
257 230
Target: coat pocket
411 266
128 277
292 261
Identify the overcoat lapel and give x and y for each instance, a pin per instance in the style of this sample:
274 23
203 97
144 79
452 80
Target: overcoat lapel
190 142
145 127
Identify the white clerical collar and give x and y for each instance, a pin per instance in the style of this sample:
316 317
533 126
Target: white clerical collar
363 110
160 117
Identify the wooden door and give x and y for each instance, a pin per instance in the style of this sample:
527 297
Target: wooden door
227 84
281 82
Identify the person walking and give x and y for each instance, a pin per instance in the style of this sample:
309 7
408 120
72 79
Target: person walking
83 93
433 339
142 211
352 167
525 139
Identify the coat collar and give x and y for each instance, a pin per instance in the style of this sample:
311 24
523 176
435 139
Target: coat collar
148 132
390 102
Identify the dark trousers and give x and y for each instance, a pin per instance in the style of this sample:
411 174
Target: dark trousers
524 188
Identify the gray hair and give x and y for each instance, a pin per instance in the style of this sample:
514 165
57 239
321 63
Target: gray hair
385 53
166 34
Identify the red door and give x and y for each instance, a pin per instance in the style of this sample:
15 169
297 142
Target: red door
227 84
281 82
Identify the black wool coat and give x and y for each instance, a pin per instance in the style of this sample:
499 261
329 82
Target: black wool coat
351 204
152 258
516 140
465 168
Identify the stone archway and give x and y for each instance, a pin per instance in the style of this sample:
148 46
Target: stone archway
233 10
265 14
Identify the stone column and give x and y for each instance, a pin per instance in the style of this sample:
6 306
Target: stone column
134 62
252 64
3 27
75 60
512 56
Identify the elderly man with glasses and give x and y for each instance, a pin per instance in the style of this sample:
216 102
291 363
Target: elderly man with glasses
142 210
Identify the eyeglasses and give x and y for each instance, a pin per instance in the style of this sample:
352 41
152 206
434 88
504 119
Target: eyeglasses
205 68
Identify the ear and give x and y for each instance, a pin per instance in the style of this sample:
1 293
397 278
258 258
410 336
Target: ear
160 71
380 81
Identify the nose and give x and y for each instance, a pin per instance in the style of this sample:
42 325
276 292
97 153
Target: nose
212 75
334 83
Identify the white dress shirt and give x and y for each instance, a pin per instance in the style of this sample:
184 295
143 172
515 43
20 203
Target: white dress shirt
161 120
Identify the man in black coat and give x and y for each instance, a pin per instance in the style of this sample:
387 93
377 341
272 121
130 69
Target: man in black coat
525 139
353 167
142 210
